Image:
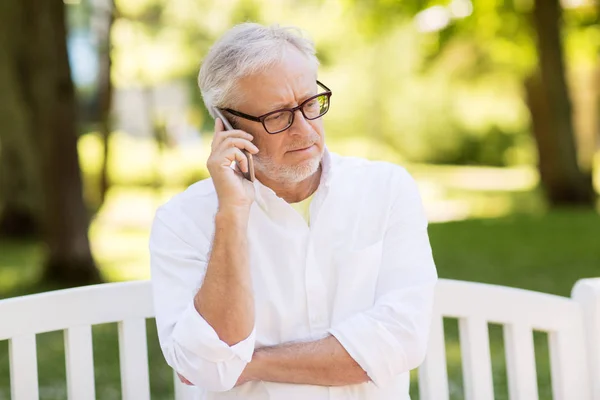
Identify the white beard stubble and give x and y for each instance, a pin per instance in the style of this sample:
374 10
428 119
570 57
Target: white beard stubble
287 173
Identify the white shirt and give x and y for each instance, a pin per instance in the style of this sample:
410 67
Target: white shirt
363 272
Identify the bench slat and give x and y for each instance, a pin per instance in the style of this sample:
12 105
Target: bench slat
133 353
504 305
587 293
79 362
567 353
476 360
23 368
520 362
433 374
104 303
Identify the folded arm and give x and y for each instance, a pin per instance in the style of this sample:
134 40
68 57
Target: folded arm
323 362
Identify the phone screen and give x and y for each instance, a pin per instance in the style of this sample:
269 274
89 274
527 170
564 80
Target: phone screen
250 174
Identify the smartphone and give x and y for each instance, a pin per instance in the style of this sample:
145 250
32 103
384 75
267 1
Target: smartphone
250 174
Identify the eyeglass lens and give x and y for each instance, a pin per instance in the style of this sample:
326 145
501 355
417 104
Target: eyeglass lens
312 109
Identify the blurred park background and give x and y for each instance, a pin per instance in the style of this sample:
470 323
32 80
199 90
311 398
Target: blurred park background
492 105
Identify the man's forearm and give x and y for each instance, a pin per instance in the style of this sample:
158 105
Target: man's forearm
323 362
225 299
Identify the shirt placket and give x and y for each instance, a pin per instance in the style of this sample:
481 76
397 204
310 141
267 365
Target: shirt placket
316 288
315 294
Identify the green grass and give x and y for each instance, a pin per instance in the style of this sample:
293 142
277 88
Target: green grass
546 253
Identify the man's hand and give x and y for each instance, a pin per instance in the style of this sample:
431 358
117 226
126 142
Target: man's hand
244 377
233 190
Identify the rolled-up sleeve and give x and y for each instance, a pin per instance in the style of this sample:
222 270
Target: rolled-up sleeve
391 337
188 342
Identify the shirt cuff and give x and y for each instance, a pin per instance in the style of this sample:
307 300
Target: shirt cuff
193 333
372 346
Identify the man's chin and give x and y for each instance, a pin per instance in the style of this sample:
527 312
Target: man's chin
292 172
304 170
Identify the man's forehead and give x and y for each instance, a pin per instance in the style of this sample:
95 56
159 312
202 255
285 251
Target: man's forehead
278 88
290 102
284 91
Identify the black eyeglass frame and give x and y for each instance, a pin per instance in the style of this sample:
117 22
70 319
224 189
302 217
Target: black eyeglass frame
300 107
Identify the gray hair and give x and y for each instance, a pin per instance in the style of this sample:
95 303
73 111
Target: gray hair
246 49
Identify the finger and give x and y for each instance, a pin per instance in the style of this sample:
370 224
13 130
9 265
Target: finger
224 135
219 126
239 143
239 381
242 161
183 380
235 154
238 169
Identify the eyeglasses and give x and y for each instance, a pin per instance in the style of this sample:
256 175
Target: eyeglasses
279 120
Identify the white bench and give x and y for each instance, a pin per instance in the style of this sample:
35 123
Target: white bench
573 326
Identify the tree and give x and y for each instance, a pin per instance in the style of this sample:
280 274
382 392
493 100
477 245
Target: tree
551 111
34 38
105 90
501 35
19 185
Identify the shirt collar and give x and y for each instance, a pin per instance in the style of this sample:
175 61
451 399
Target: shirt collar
264 193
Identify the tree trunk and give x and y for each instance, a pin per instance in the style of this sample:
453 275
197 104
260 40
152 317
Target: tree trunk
19 209
583 82
53 114
550 106
105 92
20 192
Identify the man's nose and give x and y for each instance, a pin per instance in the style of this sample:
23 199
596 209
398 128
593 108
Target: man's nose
300 125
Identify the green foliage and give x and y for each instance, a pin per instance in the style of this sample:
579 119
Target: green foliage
141 163
478 62
452 95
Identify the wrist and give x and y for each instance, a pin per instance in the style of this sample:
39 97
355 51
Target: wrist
254 367
233 214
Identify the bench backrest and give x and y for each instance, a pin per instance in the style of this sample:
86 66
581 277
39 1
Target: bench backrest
568 321
75 311
573 326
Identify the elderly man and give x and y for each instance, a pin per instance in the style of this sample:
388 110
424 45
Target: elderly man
316 280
